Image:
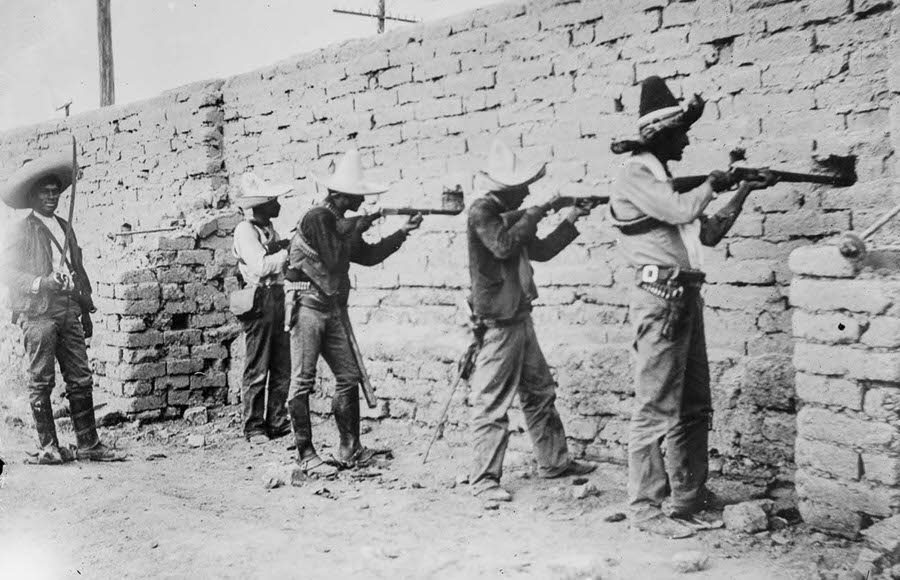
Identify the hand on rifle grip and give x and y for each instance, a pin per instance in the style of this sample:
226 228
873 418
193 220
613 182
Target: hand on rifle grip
720 181
412 223
576 211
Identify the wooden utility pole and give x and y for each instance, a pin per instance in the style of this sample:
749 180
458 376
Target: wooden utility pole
381 15
104 43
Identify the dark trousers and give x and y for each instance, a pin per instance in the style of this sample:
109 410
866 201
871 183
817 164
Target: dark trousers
267 364
511 363
316 332
56 336
672 404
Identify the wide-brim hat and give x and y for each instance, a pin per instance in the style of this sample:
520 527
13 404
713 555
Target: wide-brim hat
17 189
349 177
255 191
504 170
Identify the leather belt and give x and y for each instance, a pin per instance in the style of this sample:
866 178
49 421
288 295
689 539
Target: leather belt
651 273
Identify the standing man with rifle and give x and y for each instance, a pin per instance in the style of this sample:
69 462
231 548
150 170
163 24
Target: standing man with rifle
261 256
502 242
50 297
325 244
662 234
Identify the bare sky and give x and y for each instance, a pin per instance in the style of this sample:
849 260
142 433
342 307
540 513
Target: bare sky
48 48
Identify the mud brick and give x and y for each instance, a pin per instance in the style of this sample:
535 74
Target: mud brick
882 402
175 274
518 72
137 388
828 391
209 351
742 272
127 307
105 290
467 82
821 516
175 243
208 379
128 372
180 307
105 353
172 382
831 459
135 339
883 331
193 257
852 495
172 291
730 297
824 425
140 404
395 76
822 359
582 429
437 108
188 337
132 324
755 50
208 320
183 366
821 261
132 356
881 468
178 351
854 295
834 328
227 223
131 277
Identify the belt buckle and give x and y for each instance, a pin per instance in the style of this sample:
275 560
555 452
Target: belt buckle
650 273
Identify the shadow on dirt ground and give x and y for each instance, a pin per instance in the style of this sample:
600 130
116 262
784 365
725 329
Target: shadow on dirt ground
197 501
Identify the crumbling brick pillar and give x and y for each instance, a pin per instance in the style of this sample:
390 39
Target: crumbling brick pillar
165 335
846 326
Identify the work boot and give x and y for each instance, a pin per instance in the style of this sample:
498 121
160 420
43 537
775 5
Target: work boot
308 460
49 452
85 425
662 525
345 407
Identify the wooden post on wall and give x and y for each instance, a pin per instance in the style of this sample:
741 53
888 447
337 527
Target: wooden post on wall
104 43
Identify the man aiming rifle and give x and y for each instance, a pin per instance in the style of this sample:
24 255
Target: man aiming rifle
661 236
325 244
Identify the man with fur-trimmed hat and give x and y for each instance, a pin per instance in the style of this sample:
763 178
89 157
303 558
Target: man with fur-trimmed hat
661 236
321 251
502 242
261 256
50 297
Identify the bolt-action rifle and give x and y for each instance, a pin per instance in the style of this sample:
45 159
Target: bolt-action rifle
843 174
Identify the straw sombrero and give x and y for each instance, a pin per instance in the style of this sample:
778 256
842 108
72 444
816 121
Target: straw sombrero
18 187
505 171
349 177
255 191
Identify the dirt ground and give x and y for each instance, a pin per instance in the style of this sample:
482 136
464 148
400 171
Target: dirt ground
193 502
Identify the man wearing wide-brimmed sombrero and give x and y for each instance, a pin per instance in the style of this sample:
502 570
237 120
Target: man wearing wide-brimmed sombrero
325 244
50 298
661 236
502 242
261 256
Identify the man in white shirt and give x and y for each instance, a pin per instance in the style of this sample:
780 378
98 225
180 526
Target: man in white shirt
51 300
261 255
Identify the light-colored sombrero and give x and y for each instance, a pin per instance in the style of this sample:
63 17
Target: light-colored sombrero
256 191
19 185
505 171
349 177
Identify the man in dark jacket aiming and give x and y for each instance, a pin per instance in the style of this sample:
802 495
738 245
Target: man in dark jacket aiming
502 241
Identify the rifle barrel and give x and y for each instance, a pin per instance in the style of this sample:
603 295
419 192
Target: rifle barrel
414 211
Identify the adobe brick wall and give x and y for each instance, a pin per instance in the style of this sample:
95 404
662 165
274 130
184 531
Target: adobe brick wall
794 82
846 322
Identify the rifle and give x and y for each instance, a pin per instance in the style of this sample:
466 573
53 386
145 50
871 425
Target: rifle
465 365
588 202
367 388
451 204
844 174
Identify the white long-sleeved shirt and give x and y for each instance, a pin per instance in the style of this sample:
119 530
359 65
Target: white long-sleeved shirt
250 250
644 189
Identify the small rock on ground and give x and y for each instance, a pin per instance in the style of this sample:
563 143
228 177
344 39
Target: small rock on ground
748 517
690 561
196 416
